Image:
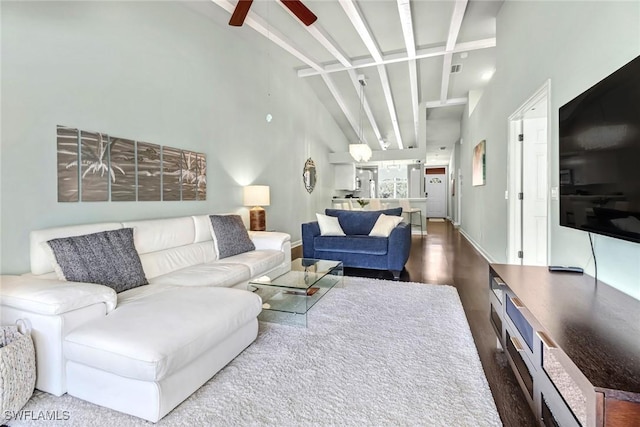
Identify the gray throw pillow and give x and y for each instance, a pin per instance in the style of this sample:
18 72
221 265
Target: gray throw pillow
107 258
230 235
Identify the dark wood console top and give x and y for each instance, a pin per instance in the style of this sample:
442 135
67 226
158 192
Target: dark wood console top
594 324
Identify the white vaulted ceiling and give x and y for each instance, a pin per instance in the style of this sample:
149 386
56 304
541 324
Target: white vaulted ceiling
404 48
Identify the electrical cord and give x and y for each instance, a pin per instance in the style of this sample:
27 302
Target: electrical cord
595 261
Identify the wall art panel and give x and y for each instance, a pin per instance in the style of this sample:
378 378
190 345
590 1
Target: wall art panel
202 176
94 158
67 148
189 175
122 159
149 172
171 173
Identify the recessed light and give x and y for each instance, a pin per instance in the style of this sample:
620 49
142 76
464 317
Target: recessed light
443 148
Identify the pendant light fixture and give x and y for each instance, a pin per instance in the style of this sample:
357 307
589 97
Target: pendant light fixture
361 152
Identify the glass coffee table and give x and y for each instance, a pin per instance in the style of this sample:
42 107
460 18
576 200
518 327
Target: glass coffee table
288 298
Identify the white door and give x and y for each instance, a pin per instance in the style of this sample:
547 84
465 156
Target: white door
534 189
436 189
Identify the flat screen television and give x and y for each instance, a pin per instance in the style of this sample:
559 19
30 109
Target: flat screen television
599 141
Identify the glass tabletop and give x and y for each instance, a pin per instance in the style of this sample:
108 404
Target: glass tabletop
304 273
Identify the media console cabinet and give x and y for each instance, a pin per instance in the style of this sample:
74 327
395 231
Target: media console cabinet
573 344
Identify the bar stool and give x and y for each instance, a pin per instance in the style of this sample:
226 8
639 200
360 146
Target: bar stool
407 209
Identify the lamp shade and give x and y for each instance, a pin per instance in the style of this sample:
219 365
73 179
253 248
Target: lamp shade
256 195
360 152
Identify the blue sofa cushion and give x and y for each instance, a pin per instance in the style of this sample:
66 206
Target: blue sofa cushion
352 244
359 222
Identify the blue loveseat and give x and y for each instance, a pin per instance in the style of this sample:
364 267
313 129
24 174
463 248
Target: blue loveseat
357 248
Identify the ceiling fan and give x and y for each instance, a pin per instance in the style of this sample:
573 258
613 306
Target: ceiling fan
295 6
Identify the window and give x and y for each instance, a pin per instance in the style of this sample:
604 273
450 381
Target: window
393 182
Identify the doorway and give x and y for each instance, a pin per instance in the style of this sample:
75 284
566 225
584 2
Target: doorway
435 186
528 189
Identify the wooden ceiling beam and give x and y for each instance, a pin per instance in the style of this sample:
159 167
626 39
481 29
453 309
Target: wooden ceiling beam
400 57
454 31
358 22
406 20
318 33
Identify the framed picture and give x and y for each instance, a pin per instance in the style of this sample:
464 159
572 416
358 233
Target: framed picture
479 164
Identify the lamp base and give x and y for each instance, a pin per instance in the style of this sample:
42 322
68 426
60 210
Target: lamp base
257 219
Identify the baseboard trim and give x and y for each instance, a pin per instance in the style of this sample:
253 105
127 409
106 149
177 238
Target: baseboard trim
477 246
296 243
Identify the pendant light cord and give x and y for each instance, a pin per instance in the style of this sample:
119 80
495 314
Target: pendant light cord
361 134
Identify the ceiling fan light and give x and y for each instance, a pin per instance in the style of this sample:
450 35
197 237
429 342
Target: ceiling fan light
360 152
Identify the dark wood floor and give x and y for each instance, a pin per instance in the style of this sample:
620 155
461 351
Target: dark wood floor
445 257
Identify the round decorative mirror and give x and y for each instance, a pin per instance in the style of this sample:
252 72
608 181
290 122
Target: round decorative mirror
309 175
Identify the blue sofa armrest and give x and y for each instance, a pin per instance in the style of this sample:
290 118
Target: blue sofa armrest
309 232
399 246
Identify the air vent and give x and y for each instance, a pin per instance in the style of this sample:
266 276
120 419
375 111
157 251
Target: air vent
456 68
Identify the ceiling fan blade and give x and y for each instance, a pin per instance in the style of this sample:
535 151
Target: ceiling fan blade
301 11
242 8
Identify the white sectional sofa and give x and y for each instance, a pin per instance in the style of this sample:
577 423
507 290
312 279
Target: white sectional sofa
146 349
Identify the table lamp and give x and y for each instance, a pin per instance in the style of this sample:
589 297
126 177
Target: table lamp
257 196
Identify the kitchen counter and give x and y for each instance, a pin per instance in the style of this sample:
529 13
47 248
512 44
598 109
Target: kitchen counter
415 202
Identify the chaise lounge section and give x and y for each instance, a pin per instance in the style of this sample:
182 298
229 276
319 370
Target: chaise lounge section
144 350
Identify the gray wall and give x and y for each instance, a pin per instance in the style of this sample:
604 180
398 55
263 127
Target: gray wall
575 45
160 72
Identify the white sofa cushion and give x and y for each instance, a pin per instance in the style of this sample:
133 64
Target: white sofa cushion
151 337
259 262
203 228
167 245
163 262
212 274
52 296
270 240
159 234
329 225
384 225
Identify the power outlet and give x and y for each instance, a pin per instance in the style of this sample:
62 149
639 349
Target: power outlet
554 193
506 194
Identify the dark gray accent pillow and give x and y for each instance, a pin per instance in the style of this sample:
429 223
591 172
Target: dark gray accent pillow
107 258
230 235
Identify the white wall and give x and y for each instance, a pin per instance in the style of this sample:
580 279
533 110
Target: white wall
575 45
159 72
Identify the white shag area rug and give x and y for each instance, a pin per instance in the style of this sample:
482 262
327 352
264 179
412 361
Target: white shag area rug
375 353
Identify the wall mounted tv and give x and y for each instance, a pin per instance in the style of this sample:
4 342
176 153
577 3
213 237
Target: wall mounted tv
600 157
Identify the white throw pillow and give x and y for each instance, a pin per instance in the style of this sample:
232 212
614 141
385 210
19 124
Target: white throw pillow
385 225
329 225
